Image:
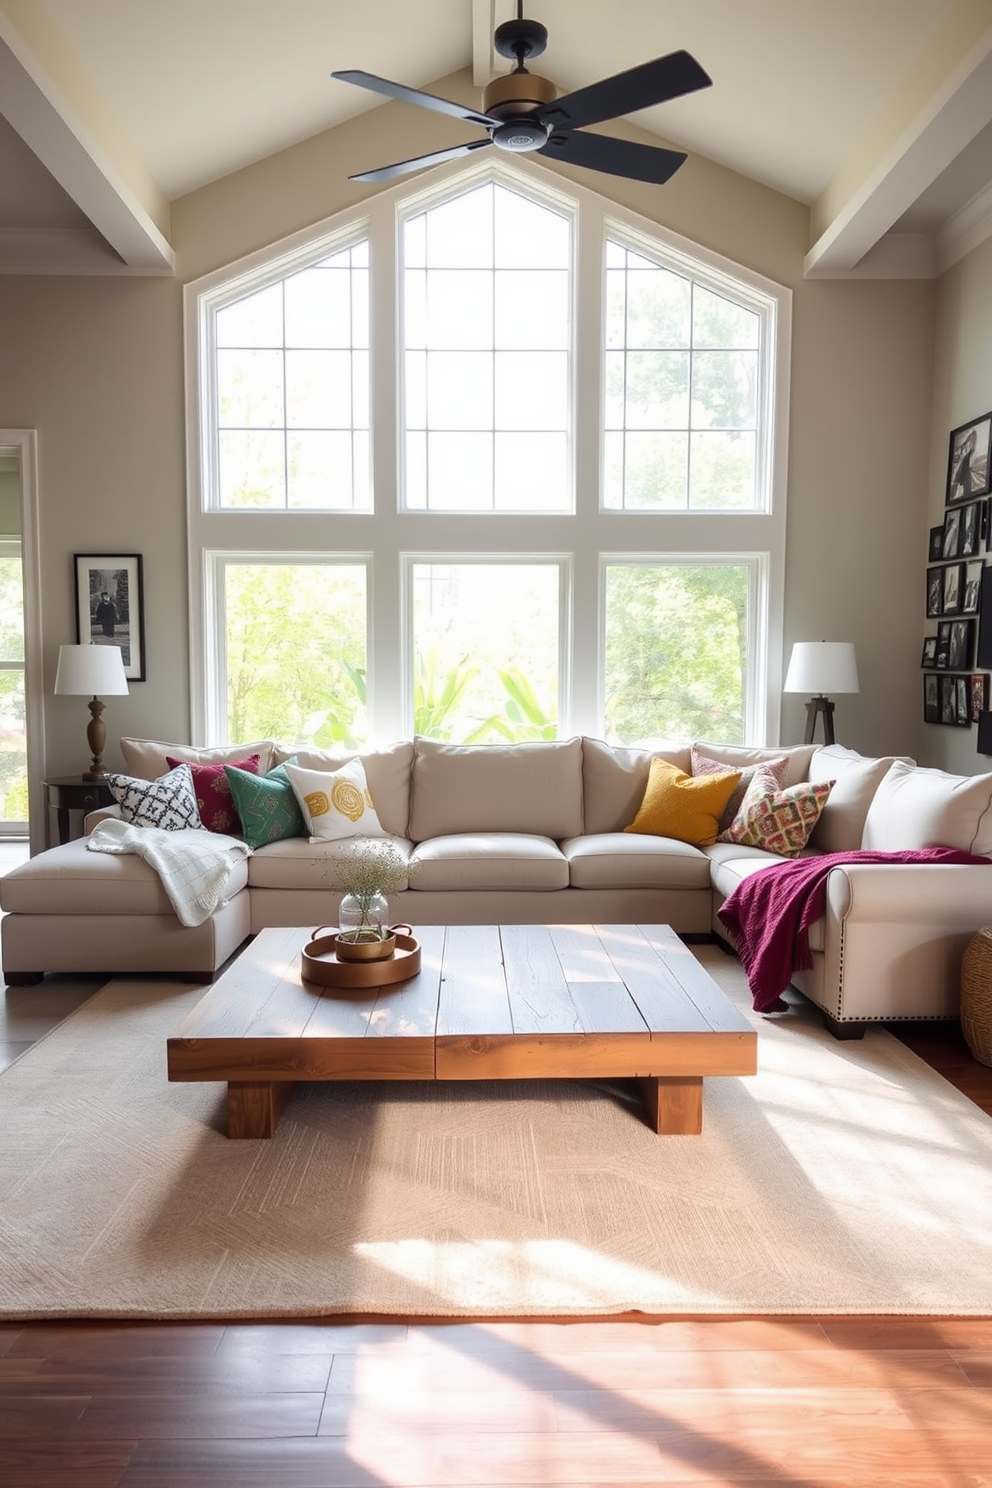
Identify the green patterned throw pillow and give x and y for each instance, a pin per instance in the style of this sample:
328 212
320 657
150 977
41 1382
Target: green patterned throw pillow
266 804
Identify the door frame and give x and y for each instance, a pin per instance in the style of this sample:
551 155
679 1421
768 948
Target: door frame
24 443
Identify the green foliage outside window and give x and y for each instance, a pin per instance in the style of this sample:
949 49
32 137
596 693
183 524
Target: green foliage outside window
676 651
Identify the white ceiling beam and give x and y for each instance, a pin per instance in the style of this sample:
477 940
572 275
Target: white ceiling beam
53 107
920 135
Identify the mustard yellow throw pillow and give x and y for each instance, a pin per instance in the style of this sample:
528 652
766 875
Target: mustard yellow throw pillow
682 806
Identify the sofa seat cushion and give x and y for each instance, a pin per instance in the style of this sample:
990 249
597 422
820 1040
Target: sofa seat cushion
730 865
488 860
298 863
623 860
71 880
534 789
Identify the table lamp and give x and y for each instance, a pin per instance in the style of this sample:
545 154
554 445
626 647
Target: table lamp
821 667
83 671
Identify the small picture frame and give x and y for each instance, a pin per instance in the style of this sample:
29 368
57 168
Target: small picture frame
962 702
947 700
970 531
968 460
961 647
971 598
953 589
978 686
936 544
931 698
929 652
952 533
935 593
943 644
110 606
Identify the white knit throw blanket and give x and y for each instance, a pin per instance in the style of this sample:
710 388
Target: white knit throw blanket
194 866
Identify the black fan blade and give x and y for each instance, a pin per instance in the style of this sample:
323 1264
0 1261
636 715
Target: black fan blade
412 95
601 152
403 167
626 92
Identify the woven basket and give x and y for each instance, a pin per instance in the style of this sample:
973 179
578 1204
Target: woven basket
976 995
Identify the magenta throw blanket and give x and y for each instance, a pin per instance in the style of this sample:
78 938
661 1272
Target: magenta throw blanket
769 914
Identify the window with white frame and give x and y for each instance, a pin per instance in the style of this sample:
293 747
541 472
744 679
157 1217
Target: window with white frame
546 498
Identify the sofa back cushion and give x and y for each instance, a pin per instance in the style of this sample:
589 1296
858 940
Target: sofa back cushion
740 756
615 777
148 758
915 807
531 788
387 772
856 779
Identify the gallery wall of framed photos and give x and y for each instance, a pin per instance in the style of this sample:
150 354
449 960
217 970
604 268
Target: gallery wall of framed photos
957 656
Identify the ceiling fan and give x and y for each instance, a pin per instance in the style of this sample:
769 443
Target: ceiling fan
522 113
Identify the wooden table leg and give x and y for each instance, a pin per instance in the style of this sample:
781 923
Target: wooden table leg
254 1106
673 1103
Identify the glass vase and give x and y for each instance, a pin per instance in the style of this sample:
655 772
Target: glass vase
363 918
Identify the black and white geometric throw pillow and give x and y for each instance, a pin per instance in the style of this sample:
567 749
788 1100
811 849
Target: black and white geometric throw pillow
168 802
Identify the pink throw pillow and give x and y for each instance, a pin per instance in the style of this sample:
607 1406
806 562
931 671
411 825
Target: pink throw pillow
215 803
703 765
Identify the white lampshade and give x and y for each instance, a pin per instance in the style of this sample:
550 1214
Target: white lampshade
822 667
89 671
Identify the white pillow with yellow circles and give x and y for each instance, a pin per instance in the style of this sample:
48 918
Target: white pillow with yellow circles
335 803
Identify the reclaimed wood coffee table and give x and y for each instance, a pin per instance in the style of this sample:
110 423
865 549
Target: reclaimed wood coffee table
491 1002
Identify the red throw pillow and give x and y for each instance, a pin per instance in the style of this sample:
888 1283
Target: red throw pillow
218 812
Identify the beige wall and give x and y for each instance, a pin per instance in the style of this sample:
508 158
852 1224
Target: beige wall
95 365
962 391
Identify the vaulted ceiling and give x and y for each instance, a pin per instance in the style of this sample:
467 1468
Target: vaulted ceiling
877 114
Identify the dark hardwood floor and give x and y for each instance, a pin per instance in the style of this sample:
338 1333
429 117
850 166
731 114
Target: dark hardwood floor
357 1404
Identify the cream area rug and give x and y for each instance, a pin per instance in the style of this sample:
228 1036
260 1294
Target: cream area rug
844 1178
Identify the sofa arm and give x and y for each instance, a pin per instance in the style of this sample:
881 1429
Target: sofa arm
893 938
102 813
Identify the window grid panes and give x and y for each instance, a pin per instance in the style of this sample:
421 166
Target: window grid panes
487 330
343 621
681 378
292 388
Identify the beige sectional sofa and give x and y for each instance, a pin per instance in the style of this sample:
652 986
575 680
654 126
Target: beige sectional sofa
533 833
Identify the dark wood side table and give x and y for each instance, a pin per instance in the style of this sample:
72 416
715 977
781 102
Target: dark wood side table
70 793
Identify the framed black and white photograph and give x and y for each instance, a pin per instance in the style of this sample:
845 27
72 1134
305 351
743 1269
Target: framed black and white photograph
970 532
943 644
978 685
962 702
110 606
961 649
972 588
929 652
935 592
947 700
968 460
936 544
952 533
953 589
931 698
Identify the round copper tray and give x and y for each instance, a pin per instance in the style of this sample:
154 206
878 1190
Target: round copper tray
320 964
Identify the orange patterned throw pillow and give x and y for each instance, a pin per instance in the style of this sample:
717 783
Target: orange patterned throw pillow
780 821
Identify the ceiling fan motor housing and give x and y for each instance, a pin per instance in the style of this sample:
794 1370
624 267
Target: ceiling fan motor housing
516 94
